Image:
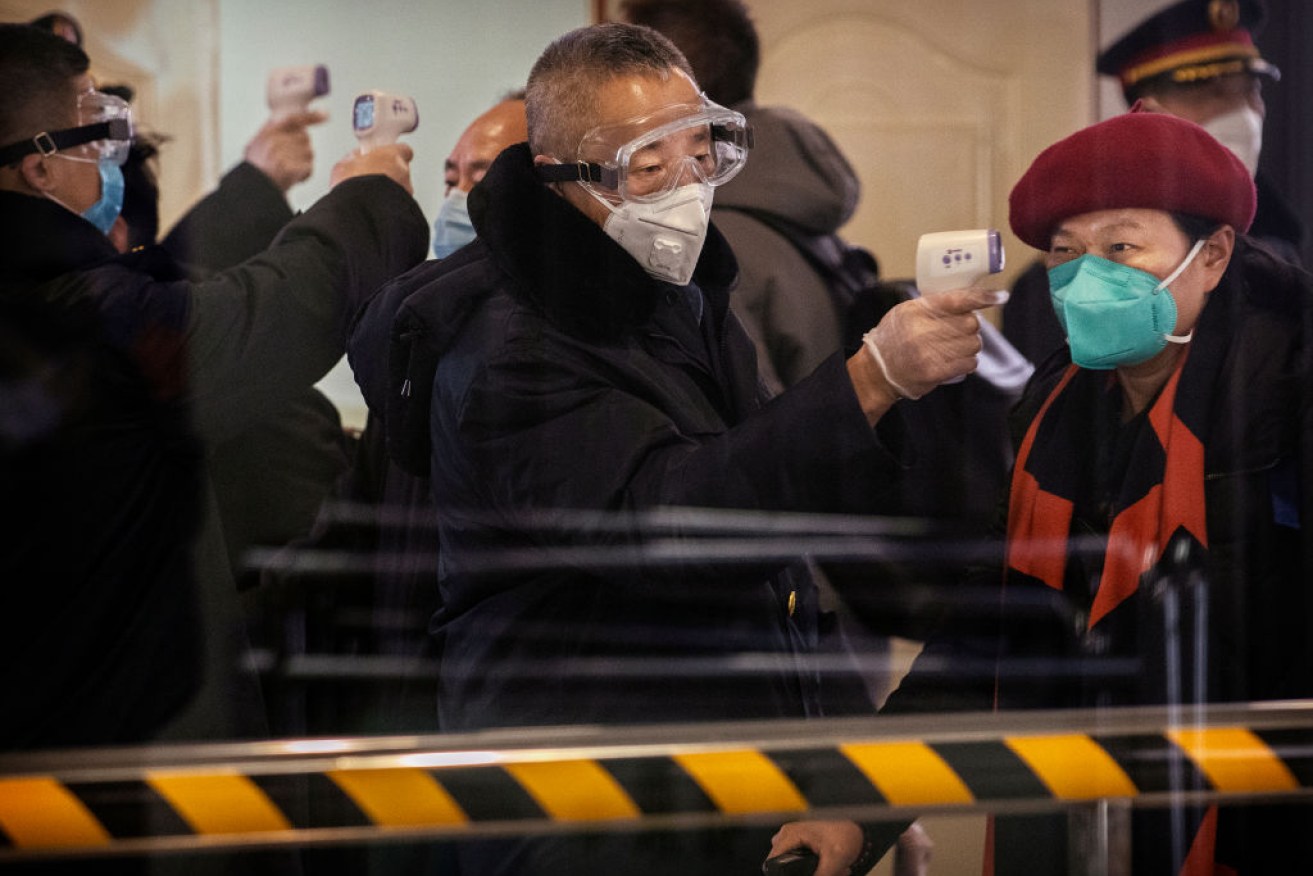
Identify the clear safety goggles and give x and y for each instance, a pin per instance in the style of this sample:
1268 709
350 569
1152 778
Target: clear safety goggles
104 127
645 157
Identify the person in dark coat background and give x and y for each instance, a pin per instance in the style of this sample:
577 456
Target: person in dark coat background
1176 438
399 533
113 540
270 479
579 356
798 178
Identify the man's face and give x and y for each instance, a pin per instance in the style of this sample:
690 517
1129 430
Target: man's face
628 97
1204 101
75 183
503 125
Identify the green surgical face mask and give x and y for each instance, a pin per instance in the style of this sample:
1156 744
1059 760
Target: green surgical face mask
1114 314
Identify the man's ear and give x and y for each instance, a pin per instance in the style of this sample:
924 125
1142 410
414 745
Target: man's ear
36 173
558 188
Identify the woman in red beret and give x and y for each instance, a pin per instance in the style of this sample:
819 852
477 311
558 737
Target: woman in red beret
1162 461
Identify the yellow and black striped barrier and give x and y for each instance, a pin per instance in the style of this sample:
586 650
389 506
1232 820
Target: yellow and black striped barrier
313 791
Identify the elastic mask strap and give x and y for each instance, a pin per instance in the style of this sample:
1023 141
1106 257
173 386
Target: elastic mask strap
1171 278
51 197
601 200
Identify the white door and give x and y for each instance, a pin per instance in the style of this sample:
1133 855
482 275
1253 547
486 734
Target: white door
939 104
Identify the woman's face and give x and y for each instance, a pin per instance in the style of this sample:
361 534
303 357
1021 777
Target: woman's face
1151 241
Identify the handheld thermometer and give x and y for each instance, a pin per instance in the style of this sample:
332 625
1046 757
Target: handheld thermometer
379 118
957 259
290 89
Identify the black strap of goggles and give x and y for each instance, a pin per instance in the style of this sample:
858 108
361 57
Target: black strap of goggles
581 171
49 143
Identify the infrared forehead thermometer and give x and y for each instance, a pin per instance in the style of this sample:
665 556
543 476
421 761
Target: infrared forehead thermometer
290 89
957 259
378 118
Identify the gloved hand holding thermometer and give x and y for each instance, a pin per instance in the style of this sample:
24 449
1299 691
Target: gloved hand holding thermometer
934 339
378 117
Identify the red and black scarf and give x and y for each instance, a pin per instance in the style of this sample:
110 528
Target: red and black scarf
1160 494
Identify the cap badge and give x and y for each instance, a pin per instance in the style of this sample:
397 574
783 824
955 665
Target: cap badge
1223 14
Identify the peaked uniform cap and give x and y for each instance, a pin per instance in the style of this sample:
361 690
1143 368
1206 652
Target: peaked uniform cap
1190 41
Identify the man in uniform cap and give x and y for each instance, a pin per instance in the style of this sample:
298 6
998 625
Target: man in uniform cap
1196 59
1192 41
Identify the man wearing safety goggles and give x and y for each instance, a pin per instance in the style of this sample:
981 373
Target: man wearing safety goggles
654 175
100 139
121 378
580 356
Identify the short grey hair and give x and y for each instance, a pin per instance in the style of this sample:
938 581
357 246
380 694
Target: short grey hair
560 100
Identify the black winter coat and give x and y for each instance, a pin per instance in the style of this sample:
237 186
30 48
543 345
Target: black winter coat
540 376
123 364
557 376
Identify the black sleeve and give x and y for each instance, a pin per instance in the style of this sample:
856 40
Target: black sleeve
235 222
261 332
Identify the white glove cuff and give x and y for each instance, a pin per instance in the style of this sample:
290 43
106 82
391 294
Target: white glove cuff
868 341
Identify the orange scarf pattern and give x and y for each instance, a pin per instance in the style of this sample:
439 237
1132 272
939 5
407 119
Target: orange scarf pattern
1040 515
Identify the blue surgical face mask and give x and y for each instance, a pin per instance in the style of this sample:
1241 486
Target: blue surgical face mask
452 229
1114 314
102 213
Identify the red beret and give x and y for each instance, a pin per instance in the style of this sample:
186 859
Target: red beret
1139 159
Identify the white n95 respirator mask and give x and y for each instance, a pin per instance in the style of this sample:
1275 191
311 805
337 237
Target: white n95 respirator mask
664 235
1241 131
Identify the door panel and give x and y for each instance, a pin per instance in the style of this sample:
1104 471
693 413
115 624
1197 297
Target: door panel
940 105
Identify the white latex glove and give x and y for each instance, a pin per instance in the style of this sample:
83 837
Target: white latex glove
922 343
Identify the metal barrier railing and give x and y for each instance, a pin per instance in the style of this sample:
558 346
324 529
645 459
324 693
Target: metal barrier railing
217 796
